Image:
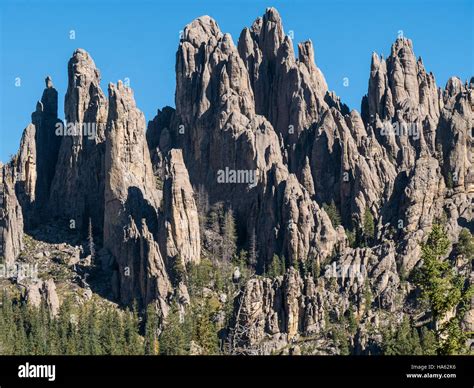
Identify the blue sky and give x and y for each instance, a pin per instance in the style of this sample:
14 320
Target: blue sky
138 40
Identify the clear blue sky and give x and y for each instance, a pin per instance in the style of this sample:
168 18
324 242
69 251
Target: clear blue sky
138 40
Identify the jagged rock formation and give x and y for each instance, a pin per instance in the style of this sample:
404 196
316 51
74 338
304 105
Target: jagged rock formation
131 205
456 137
161 138
255 131
47 143
37 292
181 221
223 131
77 190
360 164
274 312
36 159
11 218
288 92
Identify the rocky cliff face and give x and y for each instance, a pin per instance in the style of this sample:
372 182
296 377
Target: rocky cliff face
131 204
36 160
77 190
224 132
396 161
41 291
289 92
11 218
330 205
181 220
273 313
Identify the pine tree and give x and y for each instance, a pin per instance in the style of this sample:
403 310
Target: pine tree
454 338
429 343
133 344
253 254
92 331
7 325
215 216
314 268
304 267
351 238
20 338
118 327
99 330
66 329
109 332
173 338
333 213
404 340
274 269
202 204
37 333
352 321
431 278
90 240
444 290
367 295
82 332
449 180
282 265
178 271
137 341
151 331
368 227
205 332
465 245
229 236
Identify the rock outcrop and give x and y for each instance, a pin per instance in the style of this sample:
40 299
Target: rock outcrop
274 312
223 132
131 205
43 291
181 221
11 218
35 162
330 205
77 190
289 92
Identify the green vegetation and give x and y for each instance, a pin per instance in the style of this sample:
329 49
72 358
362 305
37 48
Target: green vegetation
277 267
449 180
405 339
229 236
178 271
351 238
333 213
151 331
174 338
82 330
465 245
195 330
196 327
158 182
368 227
90 329
204 332
445 291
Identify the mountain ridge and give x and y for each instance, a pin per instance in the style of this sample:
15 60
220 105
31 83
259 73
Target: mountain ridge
333 186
